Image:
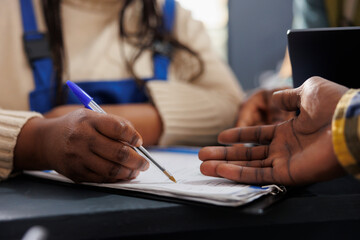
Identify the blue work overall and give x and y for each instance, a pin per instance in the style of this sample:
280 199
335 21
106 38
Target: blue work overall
104 92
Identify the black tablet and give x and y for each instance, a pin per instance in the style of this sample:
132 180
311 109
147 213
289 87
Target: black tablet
331 53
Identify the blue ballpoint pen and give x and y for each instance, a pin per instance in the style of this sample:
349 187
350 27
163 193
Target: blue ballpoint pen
89 103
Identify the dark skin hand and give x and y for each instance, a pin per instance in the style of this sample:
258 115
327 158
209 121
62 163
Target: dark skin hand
144 117
296 152
83 145
259 109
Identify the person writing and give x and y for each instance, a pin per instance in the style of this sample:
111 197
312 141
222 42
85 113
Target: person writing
147 63
317 145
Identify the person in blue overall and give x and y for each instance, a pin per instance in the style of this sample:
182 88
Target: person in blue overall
48 81
147 63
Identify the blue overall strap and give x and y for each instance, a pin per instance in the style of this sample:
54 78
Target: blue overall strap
169 15
110 92
163 50
38 54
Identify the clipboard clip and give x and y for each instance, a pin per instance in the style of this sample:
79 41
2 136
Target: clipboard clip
275 189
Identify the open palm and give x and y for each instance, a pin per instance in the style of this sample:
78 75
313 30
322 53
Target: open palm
295 152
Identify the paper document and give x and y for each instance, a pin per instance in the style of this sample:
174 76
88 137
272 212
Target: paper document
191 184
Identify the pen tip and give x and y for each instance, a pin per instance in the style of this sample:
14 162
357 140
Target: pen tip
170 176
172 179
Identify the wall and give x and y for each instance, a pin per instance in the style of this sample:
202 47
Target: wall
257 37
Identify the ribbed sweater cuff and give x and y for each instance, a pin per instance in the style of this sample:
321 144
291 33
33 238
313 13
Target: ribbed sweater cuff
11 123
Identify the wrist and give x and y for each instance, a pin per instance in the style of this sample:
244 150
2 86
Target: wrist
28 148
344 135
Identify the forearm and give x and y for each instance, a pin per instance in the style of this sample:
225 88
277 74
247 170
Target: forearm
144 117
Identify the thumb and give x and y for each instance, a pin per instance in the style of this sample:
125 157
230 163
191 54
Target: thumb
288 99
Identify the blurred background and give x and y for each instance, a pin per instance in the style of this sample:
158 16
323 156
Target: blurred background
248 34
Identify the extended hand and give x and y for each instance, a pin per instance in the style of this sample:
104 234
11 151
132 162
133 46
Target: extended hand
295 152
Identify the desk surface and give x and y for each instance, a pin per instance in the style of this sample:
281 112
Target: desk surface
72 211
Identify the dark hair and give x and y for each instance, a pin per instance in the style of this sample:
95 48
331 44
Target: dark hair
149 31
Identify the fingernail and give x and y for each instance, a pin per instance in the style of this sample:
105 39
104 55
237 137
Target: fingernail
133 175
278 92
139 142
145 166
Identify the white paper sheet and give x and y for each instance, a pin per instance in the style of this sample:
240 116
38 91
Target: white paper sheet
191 184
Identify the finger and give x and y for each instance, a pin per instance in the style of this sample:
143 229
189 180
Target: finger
84 175
117 128
257 134
110 171
253 163
247 119
248 175
89 176
209 168
288 100
234 153
252 111
259 99
118 152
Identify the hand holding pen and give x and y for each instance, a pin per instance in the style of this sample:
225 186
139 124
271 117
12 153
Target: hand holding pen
83 145
87 101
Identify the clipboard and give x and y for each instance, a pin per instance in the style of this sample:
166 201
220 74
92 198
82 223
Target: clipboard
195 187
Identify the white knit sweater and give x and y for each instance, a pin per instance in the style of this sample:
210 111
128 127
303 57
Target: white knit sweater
191 112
